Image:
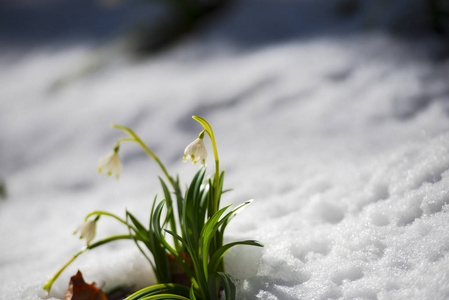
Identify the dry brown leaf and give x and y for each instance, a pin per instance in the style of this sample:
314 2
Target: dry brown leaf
80 290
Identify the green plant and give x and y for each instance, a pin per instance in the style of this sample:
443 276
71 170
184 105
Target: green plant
184 235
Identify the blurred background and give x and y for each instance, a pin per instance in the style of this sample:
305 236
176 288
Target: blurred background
58 51
155 24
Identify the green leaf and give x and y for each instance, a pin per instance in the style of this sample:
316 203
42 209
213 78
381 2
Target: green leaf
220 185
160 290
162 269
191 216
197 181
207 235
136 241
201 206
170 217
179 197
165 297
157 229
151 218
228 285
226 219
142 232
194 189
168 201
219 254
220 280
158 232
192 294
175 235
218 233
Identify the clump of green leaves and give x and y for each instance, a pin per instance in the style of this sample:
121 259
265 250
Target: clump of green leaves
183 238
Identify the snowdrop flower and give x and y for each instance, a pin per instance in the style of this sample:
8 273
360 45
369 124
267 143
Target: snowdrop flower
196 151
87 230
110 163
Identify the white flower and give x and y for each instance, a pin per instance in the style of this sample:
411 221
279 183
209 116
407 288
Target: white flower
87 230
110 164
196 151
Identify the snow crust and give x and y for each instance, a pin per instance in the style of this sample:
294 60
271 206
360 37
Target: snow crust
342 140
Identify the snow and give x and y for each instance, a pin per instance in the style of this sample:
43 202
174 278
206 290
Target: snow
339 133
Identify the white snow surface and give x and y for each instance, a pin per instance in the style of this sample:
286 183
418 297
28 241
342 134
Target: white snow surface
340 137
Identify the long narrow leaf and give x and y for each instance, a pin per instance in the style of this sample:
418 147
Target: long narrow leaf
158 231
158 249
233 213
140 248
226 219
192 294
202 206
228 285
196 183
160 289
179 197
170 218
141 230
175 235
207 234
162 272
190 215
220 187
168 201
165 297
221 280
213 224
218 255
194 190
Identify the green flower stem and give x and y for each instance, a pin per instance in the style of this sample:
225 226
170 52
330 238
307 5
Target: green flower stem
145 147
49 284
136 139
104 213
210 132
99 213
214 206
117 145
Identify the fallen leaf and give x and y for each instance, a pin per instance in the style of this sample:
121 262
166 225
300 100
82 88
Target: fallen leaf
80 290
